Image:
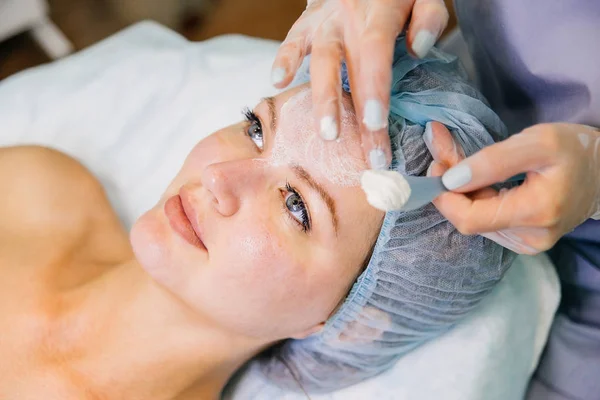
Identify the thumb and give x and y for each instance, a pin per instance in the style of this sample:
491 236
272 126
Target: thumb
497 163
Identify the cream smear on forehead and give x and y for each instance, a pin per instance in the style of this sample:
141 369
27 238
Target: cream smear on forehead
297 141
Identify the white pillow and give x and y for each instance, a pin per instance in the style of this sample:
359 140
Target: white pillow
131 108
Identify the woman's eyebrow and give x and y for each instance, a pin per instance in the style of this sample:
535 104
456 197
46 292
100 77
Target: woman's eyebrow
303 174
272 115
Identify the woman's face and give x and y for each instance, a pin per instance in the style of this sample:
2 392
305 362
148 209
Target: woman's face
264 229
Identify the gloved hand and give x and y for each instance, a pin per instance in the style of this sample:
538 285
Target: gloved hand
562 188
363 33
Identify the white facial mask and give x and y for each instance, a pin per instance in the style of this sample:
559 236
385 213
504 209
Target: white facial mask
297 141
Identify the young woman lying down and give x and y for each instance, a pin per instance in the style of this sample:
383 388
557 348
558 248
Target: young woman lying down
263 241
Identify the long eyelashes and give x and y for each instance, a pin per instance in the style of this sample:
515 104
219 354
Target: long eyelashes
250 115
296 207
254 128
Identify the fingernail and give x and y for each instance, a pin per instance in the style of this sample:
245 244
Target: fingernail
428 137
432 165
373 116
429 169
277 75
457 176
424 41
377 159
329 128
584 139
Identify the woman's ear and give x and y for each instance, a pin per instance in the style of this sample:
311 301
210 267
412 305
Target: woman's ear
442 145
308 332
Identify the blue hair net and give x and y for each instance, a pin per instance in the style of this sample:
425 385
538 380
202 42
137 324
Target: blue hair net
423 276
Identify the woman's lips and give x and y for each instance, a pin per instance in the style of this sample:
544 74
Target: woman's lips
178 218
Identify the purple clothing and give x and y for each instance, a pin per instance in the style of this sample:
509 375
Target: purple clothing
539 61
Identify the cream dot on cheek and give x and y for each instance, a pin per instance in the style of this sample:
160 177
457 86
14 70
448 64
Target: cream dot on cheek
297 141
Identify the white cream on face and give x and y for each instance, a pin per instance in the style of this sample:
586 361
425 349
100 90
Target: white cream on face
297 141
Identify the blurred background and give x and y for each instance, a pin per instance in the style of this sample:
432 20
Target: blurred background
33 32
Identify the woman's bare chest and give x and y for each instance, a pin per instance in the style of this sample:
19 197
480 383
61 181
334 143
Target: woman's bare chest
27 368
37 357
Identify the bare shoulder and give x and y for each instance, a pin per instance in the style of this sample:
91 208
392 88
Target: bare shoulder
48 199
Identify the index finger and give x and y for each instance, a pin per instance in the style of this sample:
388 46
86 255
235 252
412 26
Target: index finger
429 18
290 54
371 75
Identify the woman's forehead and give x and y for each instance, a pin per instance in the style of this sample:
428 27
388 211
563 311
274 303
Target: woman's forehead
346 98
297 140
336 165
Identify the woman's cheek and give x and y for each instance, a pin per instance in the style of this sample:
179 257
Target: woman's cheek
224 145
268 268
258 249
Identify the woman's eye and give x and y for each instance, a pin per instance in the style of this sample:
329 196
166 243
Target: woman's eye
297 208
254 129
255 133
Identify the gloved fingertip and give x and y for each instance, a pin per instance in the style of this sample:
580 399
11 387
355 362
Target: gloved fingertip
436 169
457 176
430 168
377 159
423 42
329 130
277 75
428 137
373 117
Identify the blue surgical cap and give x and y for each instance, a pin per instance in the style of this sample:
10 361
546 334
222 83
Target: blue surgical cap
423 276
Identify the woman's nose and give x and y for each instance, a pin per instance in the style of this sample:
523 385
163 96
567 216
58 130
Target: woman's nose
226 181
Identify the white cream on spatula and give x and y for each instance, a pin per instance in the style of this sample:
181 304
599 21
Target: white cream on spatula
390 190
385 190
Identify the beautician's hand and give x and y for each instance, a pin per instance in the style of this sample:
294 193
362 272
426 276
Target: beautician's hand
363 33
562 188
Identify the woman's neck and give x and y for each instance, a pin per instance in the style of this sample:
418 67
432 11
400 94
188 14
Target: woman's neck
134 339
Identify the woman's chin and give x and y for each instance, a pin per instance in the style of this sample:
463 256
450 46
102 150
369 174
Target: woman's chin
150 239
